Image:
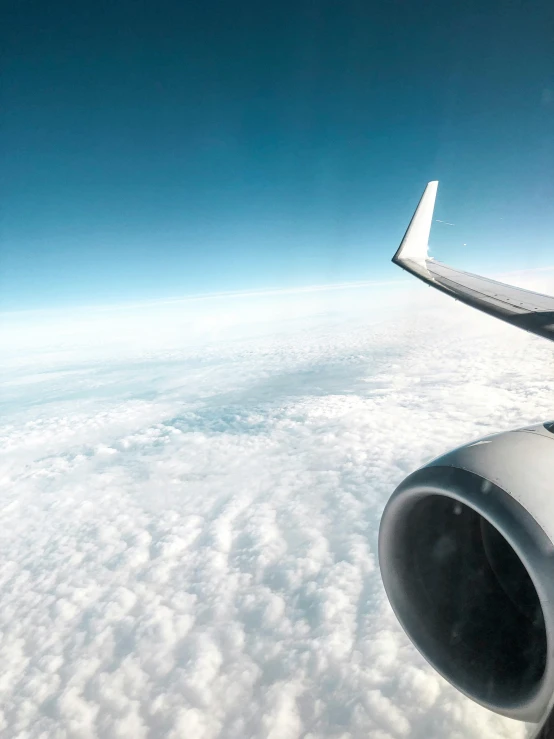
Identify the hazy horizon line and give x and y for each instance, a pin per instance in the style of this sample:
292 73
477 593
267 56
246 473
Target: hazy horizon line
233 294
190 298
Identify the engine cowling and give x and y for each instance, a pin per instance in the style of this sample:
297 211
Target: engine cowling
466 550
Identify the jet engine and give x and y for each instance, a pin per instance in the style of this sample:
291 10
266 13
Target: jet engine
467 559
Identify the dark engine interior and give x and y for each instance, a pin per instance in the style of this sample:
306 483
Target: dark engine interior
472 601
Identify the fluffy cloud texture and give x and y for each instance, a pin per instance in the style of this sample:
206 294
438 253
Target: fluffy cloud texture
190 505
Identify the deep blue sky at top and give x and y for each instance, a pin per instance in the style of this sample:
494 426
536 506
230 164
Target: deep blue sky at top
154 149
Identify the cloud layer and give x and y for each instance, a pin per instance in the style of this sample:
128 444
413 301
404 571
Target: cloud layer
189 530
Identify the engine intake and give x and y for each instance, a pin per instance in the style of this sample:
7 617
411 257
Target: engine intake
467 560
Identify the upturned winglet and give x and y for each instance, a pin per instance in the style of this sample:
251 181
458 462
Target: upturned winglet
415 243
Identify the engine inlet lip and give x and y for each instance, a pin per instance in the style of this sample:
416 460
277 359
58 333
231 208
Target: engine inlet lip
519 529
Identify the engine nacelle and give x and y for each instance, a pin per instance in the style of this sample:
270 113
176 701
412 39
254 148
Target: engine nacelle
467 559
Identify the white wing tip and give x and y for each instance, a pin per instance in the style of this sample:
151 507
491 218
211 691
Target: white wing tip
415 243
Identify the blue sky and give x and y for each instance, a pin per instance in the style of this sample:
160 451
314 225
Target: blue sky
161 149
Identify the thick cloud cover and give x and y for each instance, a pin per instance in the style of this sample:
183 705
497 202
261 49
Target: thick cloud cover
190 505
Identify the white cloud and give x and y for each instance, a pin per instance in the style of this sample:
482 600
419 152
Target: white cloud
189 530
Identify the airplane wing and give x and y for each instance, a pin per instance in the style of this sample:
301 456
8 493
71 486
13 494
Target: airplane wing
528 310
